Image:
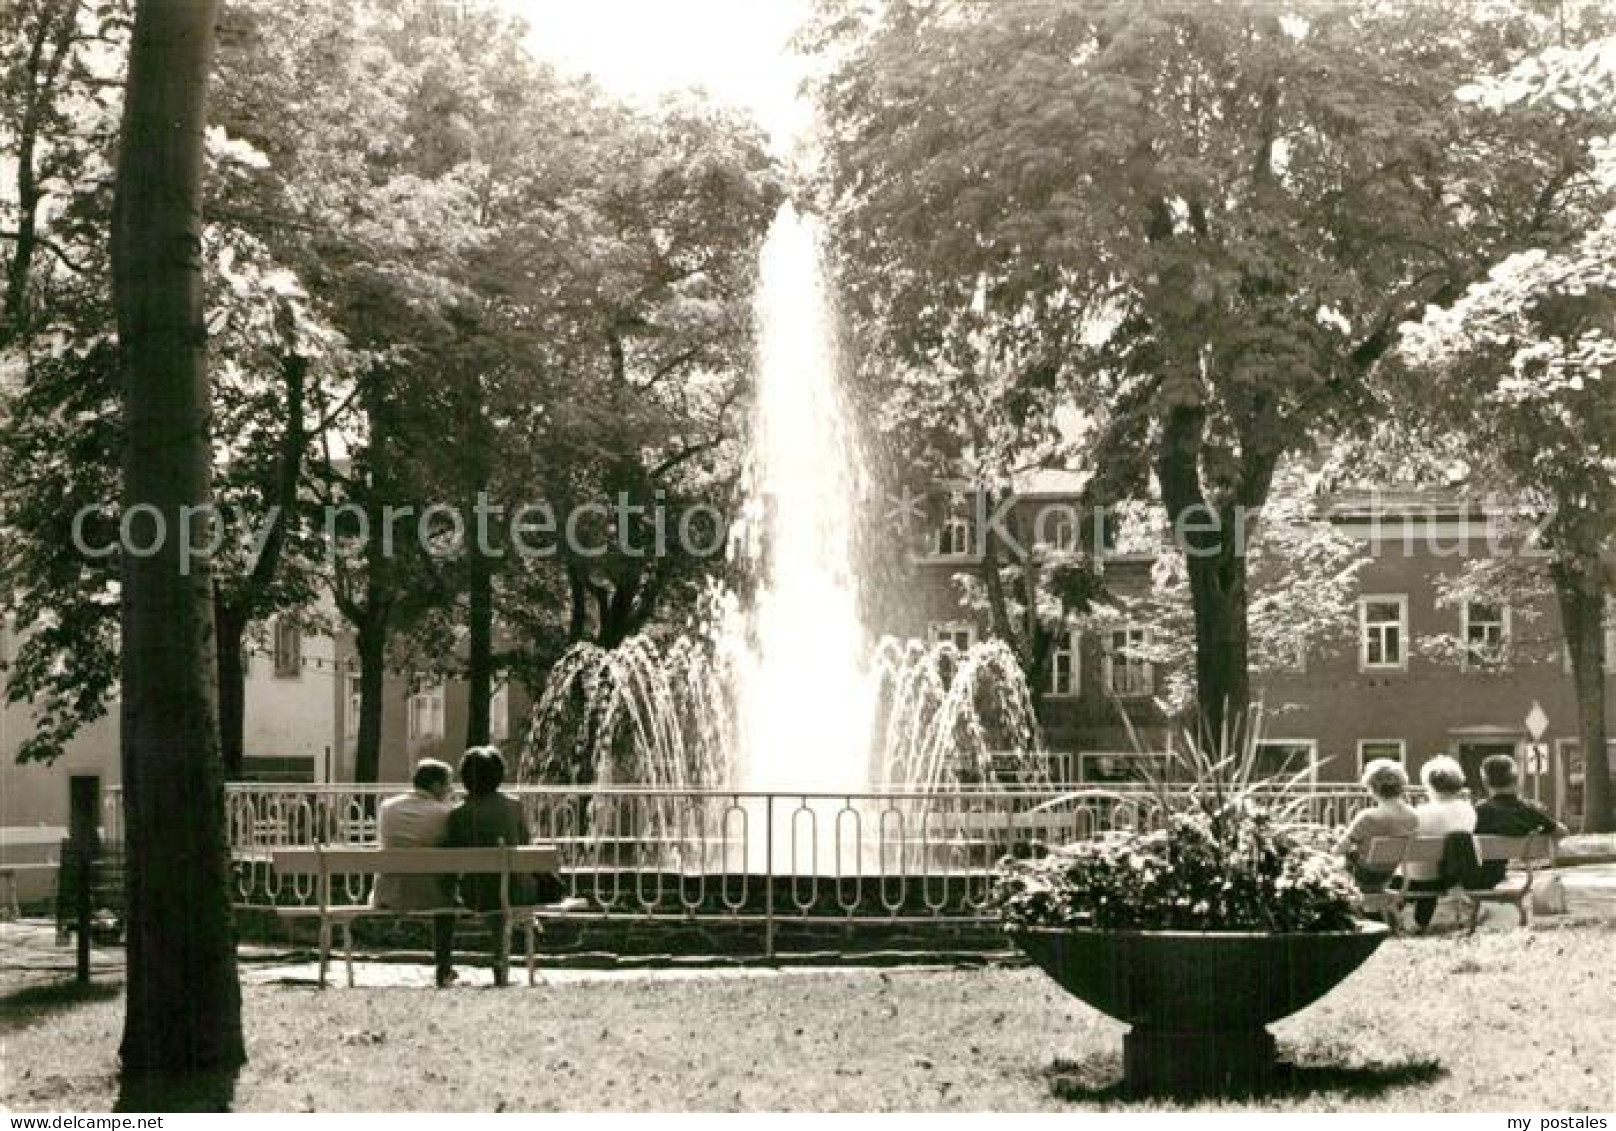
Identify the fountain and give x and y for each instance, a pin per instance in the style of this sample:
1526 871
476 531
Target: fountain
786 693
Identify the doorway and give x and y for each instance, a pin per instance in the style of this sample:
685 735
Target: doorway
1471 753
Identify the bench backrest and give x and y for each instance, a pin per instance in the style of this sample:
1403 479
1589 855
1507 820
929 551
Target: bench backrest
527 859
1388 852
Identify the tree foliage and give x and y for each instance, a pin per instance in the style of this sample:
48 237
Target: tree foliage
436 270
1518 370
1199 225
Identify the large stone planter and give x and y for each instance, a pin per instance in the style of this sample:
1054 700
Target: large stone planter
1198 1002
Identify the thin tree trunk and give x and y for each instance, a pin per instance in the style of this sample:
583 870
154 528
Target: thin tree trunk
577 603
55 30
232 614
480 662
371 645
1582 610
230 631
183 1014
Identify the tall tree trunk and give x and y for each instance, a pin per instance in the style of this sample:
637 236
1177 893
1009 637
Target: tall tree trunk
183 1014
1222 672
229 633
371 644
1216 565
480 662
1581 593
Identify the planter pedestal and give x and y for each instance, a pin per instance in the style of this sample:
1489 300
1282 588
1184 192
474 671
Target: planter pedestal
1198 1001
1197 1062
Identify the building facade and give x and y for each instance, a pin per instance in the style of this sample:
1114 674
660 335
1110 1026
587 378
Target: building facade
301 726
1390 692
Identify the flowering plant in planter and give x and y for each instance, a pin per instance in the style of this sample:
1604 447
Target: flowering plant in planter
1226 858
1233 867
1197 933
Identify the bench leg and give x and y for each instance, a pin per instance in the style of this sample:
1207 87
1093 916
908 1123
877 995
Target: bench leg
347 950
1475 916
530 963
325 949
499 930
1523 908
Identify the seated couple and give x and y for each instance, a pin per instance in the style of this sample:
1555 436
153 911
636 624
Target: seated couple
1504 813
486 818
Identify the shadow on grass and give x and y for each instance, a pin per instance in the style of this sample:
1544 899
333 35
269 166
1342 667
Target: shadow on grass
33 1002
1098 1079
193 1091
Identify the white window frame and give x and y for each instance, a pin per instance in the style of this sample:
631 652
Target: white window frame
1401 601
1108 662
1400 743
426 711
1073 651
1312 745
286 648
939 631
1468 661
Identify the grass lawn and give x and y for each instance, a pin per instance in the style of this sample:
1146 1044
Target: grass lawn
1511 1020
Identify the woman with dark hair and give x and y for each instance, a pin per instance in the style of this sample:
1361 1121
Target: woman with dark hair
488 818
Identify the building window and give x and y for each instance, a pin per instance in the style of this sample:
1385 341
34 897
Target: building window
954 537
1383 632
1063 666
1285 758
356 699
961 634
499 713
1296 656
426 712
1122 767
1371 748
1127 671
1486 634
1057 529
288 649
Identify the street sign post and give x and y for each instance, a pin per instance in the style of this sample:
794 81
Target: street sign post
1537 722
1537 725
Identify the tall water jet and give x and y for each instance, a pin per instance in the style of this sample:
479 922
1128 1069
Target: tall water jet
803 699
786 692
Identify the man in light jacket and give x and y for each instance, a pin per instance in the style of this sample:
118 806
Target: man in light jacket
420 819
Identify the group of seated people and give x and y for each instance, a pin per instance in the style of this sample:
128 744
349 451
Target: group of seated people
427 817
1446 810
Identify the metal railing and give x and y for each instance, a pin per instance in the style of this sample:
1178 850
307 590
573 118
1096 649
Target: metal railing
738 856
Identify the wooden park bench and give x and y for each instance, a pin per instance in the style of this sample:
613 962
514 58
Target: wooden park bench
1387 854
324 863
